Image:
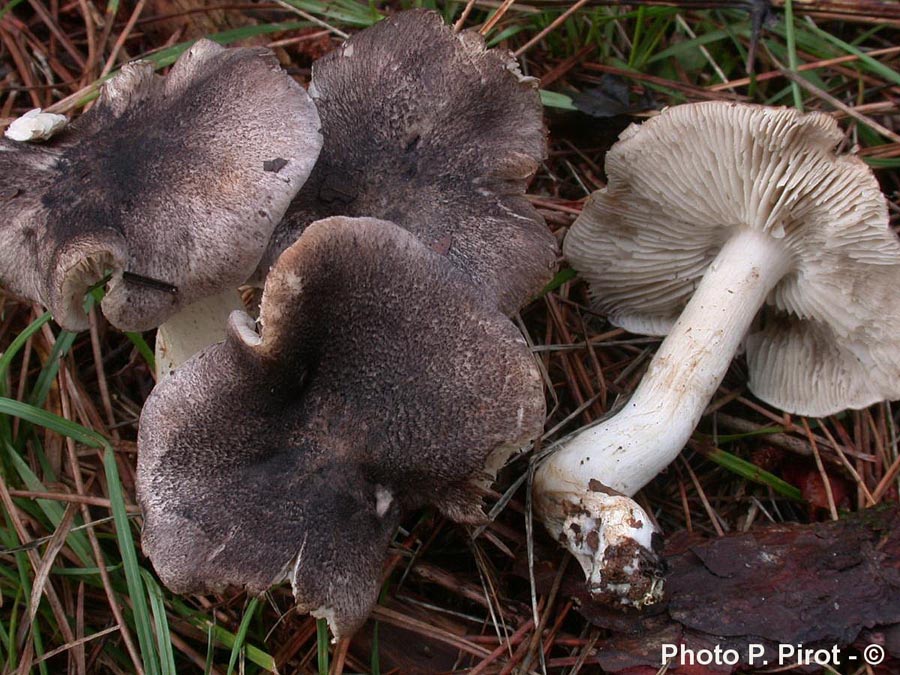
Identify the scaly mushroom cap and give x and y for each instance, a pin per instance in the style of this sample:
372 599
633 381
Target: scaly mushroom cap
382 380
682 182
179 179
435 132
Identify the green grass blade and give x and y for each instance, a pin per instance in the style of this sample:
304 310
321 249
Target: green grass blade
254 654
53 510
168 56
505 34
25 571
690 45
218 634
375 660
60 425
322 645
793 62
766 431
561 277
241 635
883 162
753 473
64 342
86 572
143 349
780 98
5 643
39 650
210 650
638 35
16 346
161 624
552 99
142 618
9 539
875 67
345 12
9 6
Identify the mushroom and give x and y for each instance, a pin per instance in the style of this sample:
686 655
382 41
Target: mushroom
431 130
174 185
726 214
380 380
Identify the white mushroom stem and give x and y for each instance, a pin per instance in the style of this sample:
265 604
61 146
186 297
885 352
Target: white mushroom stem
623 453
193 328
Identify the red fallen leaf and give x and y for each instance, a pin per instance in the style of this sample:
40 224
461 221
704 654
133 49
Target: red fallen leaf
809 480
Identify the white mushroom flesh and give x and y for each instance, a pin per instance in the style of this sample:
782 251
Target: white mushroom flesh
193 328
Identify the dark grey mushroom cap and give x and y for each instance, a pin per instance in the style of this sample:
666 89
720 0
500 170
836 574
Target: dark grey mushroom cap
433 131
680 184
381 380
179 179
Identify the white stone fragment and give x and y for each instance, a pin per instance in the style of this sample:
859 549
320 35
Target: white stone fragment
35 126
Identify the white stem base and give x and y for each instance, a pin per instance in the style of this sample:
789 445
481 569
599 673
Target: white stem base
617 546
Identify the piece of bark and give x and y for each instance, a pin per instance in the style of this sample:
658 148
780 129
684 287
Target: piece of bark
818 585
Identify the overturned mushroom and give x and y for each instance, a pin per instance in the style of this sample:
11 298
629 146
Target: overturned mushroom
433 131
716 210
174 185
381 380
